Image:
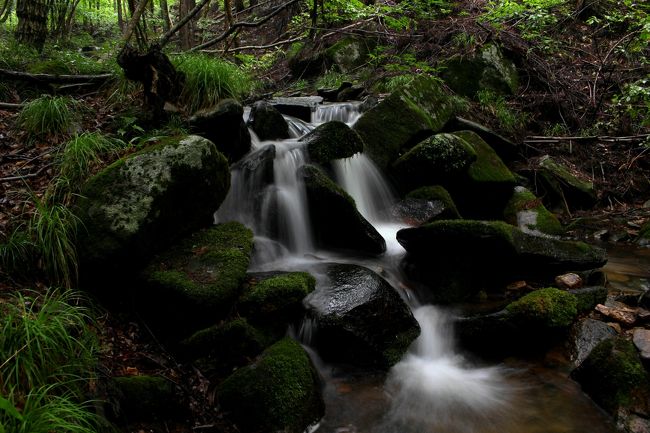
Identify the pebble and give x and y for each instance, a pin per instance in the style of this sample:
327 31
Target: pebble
569 281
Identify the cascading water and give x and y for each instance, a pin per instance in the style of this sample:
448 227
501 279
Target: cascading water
345 112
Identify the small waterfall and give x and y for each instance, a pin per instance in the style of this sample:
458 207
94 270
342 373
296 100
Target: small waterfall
345 112
297 127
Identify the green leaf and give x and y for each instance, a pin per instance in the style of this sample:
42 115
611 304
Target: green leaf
9 407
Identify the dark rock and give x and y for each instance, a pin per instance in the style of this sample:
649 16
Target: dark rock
546 309
224 126
506 149
306 60
349 53
350 93
197 281
360 318
332 140
145 398
267 122
493 334
527 212
257 168
613 376
641 339
426 204
142 203
585 335
281 391
405 118
329 94
561 187
300 107
589 297
335 219
369 102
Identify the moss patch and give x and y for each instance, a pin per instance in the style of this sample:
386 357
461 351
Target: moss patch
527 212
280 392
549 307
145 397
487 167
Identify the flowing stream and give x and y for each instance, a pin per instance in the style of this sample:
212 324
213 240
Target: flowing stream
433 388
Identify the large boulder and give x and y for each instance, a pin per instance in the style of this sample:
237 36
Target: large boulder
487 69
562 187
300 107
506 149
334 216
267 122
349 53
197 281
332 140
224 125
456 259
405 118
141 203
426 204
527 212
281 391
360 318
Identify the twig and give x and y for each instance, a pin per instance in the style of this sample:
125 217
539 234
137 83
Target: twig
258 47
602 65
25 176
10 106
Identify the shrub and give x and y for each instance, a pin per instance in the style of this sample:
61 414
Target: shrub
47 115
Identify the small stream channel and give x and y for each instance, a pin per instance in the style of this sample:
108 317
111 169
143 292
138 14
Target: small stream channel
434 388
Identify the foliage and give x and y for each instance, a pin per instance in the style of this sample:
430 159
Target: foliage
634 101
209 80
15 251
496 105
400 63
47 115
330 80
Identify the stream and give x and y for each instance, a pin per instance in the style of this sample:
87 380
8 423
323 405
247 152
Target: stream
434 388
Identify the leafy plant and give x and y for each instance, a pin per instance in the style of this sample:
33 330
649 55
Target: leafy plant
497 106
330 80
15 251
634 101
47 115
209 80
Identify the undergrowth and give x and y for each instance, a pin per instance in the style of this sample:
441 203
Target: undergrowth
47 115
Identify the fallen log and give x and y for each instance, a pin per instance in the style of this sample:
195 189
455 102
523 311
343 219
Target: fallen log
53 78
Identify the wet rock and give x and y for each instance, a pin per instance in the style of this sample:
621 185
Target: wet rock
613 376
267 122
488 70
257 167
143 202
548 308
405 118
563 187
281 391
585 335
493 334
506 149
332 140
456 259
426 204
335 219
145 398
589 297
568 281
349 53
351 93
224 126
360 318
624 315
641 339
298 106
197 281
527 212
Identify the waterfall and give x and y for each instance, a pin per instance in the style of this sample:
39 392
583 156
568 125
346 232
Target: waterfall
344 112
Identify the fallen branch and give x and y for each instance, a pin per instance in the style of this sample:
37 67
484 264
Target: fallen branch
623 139
25 176
10 106
258 47
53 78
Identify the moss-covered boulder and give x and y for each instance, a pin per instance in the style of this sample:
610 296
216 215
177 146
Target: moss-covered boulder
588 297
224 125
614 377
141 203
456 259
562 187
487 69
276 299
267 122
281 391
426 204
527 212
222 347
145 398
336 222
548 308
506 149
349 53
332 140
198 280
585 336
360 318
405 118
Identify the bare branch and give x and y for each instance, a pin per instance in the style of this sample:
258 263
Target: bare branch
167 36
52 78
258 47
134 21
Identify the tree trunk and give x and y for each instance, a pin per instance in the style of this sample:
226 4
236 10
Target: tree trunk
164 13
187 31
32 22
239 6
120 18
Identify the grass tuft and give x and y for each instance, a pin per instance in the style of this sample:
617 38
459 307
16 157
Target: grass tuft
47 115
15 252
209 80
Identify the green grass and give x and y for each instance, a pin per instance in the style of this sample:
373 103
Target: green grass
497 106
15 252
47 115
209 80
330 80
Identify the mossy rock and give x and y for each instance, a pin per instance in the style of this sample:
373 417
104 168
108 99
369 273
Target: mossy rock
220 348
332 140
143 398
588 297
349 53
527 212
486 70
267 122
198 280
614 377
277 299
547 308
281 391
506 149
144 202
334 216
426 204
563 188
405 118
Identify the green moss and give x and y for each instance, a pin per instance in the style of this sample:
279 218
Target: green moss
332 140
316 179
487 167
395 352
549 307
524 208
145 396
280 392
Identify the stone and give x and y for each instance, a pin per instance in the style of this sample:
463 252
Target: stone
405 118
349 53
589 297
426 204
568 281
547 308
197 281
641 339
305 60
280 391
563 187
360 318
527 212
267 122
488 69
145 398
142 203
623 315
224 126
585 335
506 149
300 107
336 222
258 166
332 140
